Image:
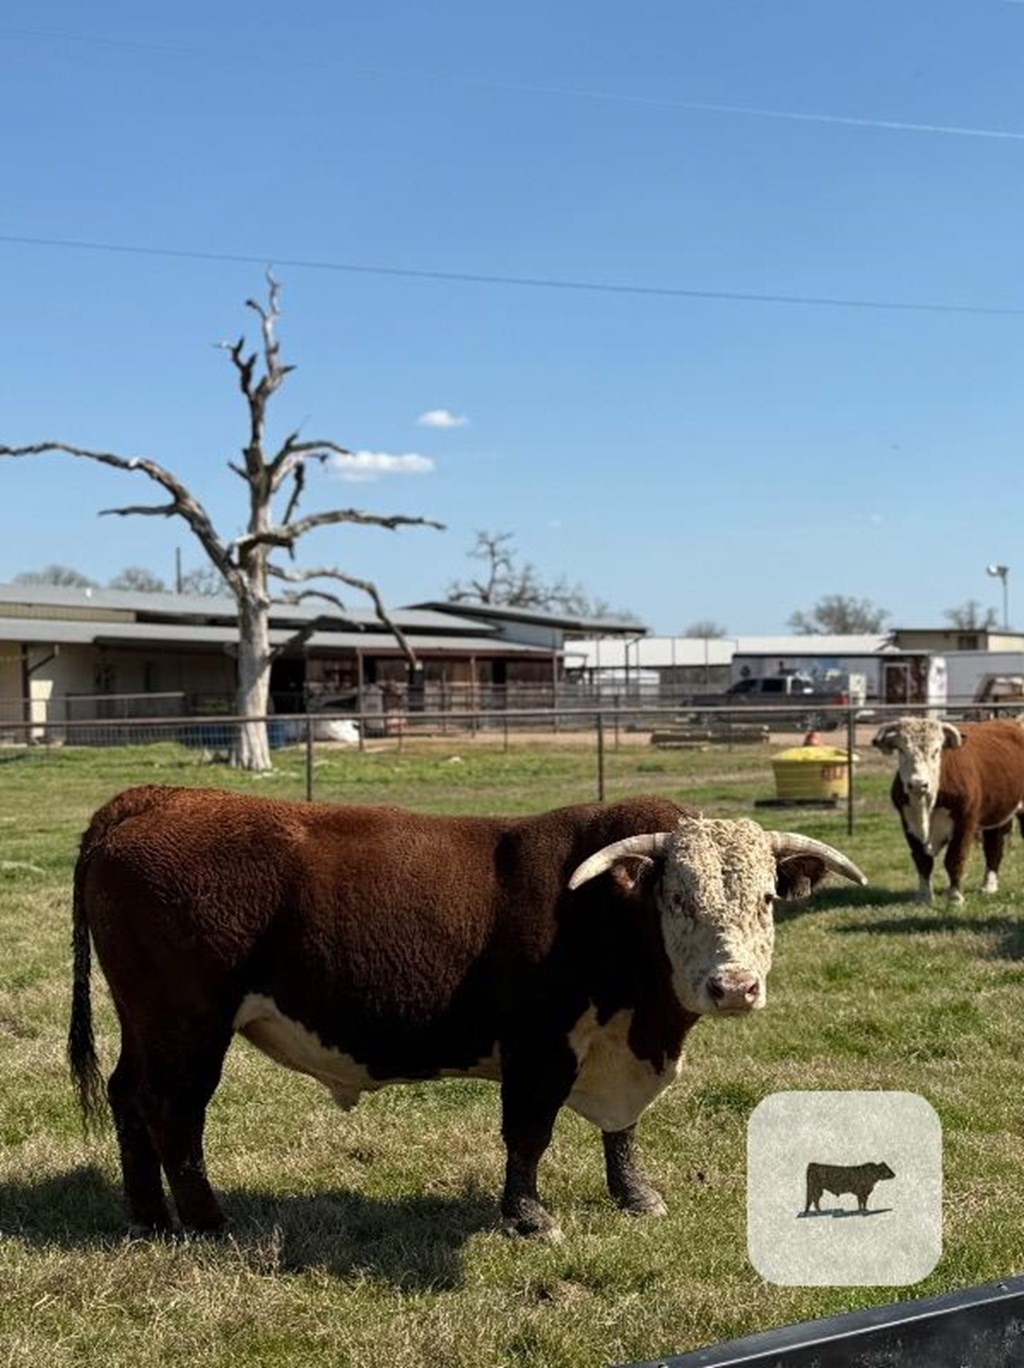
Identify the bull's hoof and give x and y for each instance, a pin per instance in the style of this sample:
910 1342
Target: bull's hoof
643 1201
530 1221
954 897
991 885
924 897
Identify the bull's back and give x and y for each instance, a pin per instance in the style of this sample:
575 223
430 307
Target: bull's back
988 770
841 1178
215 873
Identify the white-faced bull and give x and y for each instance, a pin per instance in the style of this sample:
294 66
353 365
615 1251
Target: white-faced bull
952 783
564 955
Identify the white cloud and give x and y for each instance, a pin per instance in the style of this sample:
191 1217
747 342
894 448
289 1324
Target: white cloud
441 418
361 466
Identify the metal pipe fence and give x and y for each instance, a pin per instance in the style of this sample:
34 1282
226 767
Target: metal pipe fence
600 730
446 699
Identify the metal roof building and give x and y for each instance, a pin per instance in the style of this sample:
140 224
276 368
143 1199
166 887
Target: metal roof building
83 652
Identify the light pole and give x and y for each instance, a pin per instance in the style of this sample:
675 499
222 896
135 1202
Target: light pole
1002 572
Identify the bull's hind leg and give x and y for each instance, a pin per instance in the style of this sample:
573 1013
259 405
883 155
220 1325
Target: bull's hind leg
993 843
140 1165
626 1184
178 1086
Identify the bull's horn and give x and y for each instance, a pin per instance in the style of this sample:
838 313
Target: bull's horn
954 737
649 845
790 843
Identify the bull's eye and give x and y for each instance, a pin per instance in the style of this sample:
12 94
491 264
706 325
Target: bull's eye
768 907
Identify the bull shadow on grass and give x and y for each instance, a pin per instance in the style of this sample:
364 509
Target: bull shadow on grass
838 899
1008 930
411 1242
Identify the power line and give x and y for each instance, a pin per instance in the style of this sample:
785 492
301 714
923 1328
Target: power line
566 92
522 282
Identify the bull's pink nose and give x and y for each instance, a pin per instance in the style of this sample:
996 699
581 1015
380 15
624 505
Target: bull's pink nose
734 994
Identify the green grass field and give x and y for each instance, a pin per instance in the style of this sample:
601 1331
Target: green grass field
370 1238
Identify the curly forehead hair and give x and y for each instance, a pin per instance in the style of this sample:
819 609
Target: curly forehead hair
712 858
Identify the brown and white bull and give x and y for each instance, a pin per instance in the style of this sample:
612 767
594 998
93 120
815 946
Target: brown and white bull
565 955
952 783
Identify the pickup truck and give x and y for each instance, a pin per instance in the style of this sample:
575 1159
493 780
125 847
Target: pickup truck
768 694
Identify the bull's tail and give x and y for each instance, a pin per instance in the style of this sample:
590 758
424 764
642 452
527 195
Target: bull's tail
82 1060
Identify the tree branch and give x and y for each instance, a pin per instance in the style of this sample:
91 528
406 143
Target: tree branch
293 453
287 534
183 502
365 586
144 510
274 372
296 494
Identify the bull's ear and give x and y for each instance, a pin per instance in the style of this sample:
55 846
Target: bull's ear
799 876
631 874
885 738
788 845
647 846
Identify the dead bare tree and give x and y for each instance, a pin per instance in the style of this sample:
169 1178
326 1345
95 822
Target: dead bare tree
244 563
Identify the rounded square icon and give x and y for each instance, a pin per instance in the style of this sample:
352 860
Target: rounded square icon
844 1188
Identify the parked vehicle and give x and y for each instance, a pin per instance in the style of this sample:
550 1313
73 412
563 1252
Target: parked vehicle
761 699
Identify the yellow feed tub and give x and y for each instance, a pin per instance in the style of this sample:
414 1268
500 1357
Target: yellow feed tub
812 772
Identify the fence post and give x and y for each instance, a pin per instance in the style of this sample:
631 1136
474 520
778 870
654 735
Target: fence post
309 757
600 757
617 703
504 718
851 736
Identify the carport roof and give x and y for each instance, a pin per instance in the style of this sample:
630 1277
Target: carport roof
61 632
168 610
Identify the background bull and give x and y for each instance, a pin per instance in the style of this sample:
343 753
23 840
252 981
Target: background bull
952 783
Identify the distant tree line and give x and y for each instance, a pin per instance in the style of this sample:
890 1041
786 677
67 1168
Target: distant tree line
201 579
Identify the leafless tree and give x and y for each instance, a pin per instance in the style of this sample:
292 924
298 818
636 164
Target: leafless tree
705 628
138 579
841 615
970 616
272 478
507 581
65 576
204 581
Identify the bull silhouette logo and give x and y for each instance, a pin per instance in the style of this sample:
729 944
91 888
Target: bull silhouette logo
860 1179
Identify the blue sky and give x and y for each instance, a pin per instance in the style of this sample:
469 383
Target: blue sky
684 457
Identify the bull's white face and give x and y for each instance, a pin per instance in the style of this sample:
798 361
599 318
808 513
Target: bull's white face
716 895
919 743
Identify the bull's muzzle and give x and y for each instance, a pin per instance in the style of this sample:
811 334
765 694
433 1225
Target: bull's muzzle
734 992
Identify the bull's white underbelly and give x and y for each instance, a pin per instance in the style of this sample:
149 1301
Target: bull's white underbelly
613 1087
934 828
290 1043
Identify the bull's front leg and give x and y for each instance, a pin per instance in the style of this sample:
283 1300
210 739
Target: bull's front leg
956 858
923 863
533 1088
626 1183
